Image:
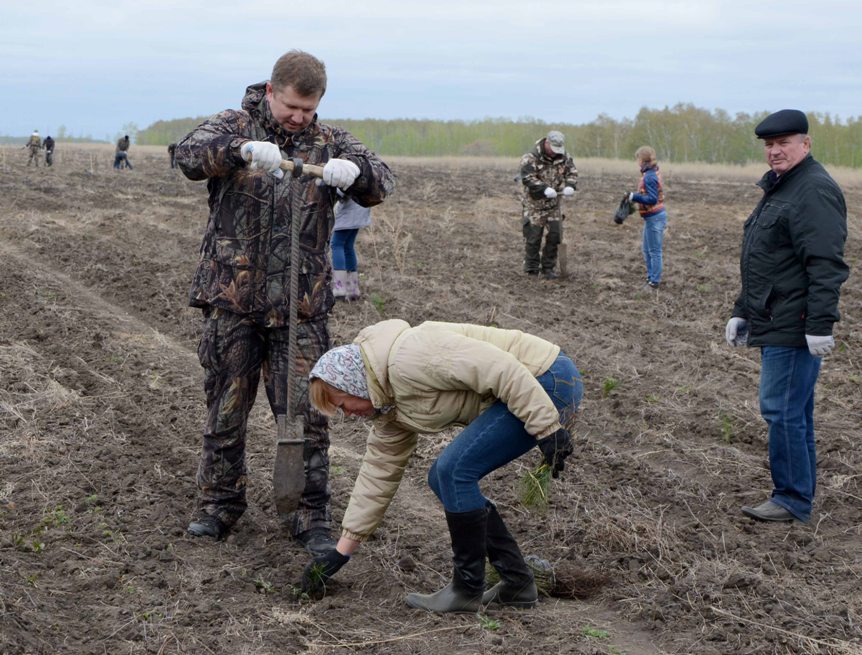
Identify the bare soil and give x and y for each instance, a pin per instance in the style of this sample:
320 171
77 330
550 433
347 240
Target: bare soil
101 408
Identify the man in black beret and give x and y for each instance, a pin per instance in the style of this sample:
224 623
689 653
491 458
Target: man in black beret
792 268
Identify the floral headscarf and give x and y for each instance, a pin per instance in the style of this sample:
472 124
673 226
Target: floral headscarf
343 369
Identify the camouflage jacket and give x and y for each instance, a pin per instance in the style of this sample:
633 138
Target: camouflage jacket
538 171
245 255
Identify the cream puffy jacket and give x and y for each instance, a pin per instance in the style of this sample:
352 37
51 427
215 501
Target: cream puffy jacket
434 376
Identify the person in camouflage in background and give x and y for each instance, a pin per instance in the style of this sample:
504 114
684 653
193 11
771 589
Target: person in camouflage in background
34 145
242 281
546 171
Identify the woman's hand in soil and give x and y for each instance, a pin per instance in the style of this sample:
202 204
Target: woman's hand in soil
320 570
555 450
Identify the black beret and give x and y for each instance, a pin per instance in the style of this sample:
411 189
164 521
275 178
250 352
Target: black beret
786 121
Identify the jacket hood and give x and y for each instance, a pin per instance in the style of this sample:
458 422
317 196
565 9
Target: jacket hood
253 99
376 342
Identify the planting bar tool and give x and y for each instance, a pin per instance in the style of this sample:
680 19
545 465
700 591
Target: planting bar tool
288 476
563 249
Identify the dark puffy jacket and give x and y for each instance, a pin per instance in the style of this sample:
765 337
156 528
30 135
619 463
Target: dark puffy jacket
245 255
792 262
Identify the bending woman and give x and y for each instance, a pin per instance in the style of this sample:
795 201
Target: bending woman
513 391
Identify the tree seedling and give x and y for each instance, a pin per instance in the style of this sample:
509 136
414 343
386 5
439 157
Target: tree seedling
263 586
534 486
726 427
378 302
608 386
594 633
488 623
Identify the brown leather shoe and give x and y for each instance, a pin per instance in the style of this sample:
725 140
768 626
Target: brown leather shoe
769 511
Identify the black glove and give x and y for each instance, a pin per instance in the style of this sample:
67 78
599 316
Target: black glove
322 568
555 450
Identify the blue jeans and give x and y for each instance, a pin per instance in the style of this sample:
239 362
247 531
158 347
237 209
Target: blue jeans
495 438
653 236
343 252
787 379
121 159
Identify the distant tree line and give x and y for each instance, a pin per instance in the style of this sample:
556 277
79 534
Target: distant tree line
682 133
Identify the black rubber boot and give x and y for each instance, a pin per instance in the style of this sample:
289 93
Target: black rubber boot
551 249
532 247
517 586
207 525
464 593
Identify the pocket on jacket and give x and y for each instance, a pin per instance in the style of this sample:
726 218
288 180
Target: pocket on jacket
207 352
763 306
770 227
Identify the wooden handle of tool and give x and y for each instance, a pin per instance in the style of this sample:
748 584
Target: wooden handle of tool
287 166
307 169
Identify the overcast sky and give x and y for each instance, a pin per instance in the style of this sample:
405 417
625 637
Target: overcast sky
97 65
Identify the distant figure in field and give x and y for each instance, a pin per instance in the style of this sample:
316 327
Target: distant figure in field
546 171
350 217
49 151
172 154
650 203
34 145
121 154
792 268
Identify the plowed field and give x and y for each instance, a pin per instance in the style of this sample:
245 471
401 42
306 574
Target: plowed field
101 407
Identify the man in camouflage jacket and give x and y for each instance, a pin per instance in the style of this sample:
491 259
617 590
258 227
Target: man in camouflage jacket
546 172
242 280
34 145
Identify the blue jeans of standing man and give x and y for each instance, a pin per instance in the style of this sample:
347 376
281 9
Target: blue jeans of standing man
653 237
787 379
343 251
495 438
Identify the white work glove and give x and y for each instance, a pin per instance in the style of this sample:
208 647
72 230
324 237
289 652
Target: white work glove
550 193
262 155
631 197
736 332
340 173
819 346
568 191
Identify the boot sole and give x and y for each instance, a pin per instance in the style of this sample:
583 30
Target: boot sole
518 606
418 604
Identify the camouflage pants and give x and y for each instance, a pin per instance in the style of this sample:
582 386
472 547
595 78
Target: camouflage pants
34 157
533 242
234 350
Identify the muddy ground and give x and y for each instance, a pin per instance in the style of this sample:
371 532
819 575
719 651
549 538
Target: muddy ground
101 407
